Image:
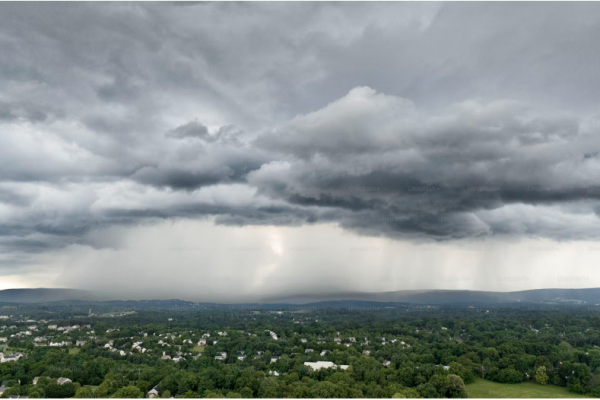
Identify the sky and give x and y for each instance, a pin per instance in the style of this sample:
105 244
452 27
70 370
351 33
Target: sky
244 151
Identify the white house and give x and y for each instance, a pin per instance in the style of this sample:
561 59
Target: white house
37 378
273 335
62 381
153 392
320 364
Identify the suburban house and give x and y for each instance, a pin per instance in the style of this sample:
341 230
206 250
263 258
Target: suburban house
366 352
274 359
321 364
273 335
273 373
137 345
11 357
202 342
324 352
62 381
153 392
308 350
3 339
386 363
80 343
52 327
303 340
37 378
221 357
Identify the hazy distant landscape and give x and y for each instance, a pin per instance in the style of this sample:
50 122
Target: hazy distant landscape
547 296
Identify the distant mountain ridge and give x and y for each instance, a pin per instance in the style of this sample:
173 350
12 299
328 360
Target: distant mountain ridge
589 296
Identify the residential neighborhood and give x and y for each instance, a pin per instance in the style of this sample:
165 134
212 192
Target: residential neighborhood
149 356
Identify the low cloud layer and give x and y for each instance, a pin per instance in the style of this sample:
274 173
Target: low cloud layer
420 123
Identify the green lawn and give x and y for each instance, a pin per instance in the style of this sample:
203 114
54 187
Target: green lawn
491 390
74 351
199 349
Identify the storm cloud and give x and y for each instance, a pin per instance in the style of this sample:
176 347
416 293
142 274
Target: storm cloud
421 123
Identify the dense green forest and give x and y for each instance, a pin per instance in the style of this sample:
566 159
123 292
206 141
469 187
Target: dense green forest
402 351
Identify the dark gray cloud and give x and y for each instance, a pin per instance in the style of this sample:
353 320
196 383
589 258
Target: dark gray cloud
408 121
192 129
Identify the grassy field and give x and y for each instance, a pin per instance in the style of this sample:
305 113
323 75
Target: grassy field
74 351
199 349
491 390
